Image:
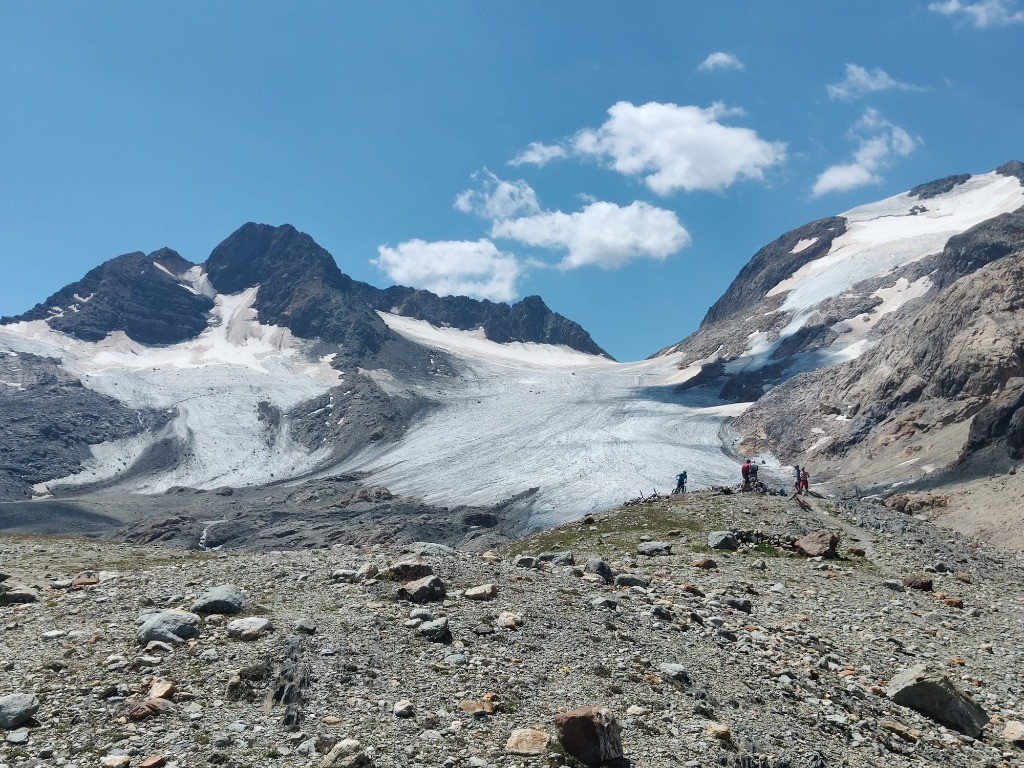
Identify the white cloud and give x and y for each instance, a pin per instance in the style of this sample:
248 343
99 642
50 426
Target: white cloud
860 81
452 268
720 60
497 198
987 13
879 142
674 147
539 154
602 234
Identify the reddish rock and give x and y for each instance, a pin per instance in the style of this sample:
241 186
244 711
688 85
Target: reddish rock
704 562
857 552
818 544
154 761
423 590
148 708
590 734
913 581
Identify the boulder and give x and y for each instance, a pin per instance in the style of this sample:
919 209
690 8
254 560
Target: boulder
436 631
224 598
925 689
653 548
170 626
250 628
425 590
525 561
590 734
347 753
676 674
1014 731
723 540
407 569
527 741
557 558
818 544
16 594
482 592
17 709
631 580
599 567
913 581
146 708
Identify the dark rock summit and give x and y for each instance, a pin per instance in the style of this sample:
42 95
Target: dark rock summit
139 294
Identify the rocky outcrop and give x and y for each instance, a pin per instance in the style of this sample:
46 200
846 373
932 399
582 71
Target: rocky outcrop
528 320
773 264
142 295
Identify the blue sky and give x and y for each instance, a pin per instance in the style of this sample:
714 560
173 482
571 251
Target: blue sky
621 160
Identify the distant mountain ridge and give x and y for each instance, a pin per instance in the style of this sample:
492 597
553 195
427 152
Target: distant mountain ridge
301 288
270 294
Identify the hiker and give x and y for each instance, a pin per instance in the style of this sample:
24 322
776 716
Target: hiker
680 482
804 481
796 480
745 471
753 473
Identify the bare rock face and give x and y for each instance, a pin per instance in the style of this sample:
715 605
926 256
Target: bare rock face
925 689
818 544
590 734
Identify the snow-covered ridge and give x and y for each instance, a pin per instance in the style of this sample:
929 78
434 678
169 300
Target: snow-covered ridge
881 237
214 383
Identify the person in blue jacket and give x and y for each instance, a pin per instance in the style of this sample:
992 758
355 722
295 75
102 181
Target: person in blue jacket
680 482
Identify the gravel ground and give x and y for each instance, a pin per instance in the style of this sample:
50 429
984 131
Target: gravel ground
799 680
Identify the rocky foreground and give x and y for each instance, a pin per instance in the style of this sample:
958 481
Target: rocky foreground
709 629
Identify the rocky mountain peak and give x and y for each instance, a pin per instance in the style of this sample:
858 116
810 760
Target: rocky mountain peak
256 254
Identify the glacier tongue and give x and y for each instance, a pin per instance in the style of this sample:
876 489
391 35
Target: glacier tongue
589 433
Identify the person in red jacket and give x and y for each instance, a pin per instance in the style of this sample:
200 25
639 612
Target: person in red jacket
745 471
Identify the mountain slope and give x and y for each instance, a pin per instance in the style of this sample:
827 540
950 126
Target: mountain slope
266 362
895 360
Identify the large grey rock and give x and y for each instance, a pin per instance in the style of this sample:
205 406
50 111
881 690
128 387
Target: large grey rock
16 709
599 567
170 626
676 674
723 540
16 594
925 689
557 558
654 548
224 598
436 631
590 734
631 580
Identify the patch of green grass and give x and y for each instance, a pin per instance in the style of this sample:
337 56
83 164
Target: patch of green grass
767 550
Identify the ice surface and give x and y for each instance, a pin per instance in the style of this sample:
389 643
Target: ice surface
588 432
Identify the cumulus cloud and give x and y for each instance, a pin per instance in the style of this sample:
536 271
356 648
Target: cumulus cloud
678 147
879 142
720 60
498 199
860 81
539 154
987 13
452 268
602 234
